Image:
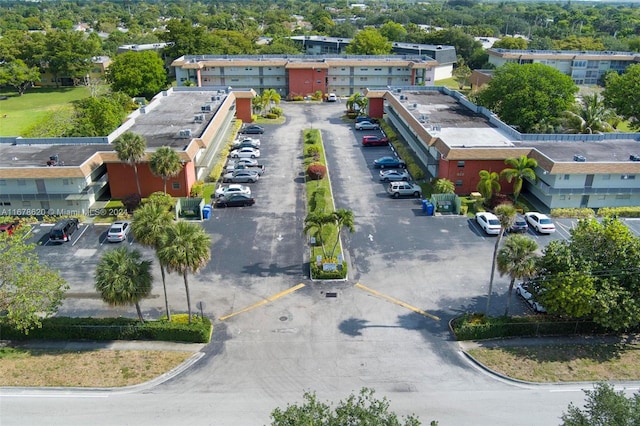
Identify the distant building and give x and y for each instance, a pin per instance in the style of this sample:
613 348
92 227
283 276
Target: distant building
143 47
99 65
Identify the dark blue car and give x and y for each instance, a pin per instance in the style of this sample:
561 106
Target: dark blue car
389 162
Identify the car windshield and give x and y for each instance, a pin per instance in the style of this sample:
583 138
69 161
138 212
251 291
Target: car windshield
494 222
545 221
116 229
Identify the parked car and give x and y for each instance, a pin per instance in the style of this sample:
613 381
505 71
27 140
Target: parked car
234 188
246 152
394 175
241 161
522 290
367 125
63 230
244 142
371 140
332 97
235 200
252 129
362 118
488 222
9 227
404 189
241 176
118 231
519 225
257 167
540 222
389 162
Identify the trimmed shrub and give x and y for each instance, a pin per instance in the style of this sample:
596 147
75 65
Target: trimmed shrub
131 202
311 151
619 211
297 98
498 199
277 111
197 189
316 171
271 116
580 213
415 171
319 274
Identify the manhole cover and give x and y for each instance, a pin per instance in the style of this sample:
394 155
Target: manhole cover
284 318
331 294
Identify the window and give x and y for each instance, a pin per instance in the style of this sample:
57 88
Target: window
235 79
459 183
65 181
364 69
623 196
3 182
606 177
460 163
319 70
22 182
363 78
175 185
318 82
566 177
562 197
377 69
628 177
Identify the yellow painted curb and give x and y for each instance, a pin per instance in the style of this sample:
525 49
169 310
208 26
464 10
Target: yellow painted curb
397 302
263 302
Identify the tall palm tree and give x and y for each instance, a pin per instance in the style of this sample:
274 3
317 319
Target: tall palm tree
518 259
123 279
165 162
185 248
343 219
489 184
130 148
317 221
519 169
268 96
591 116
256 104
150 222
357 99
506 214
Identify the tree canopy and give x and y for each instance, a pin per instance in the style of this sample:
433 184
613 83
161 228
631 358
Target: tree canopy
620 93
369 42
604 406
137 74
527 95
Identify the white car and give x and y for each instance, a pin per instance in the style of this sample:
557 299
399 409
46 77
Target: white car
522 290
243 142
332 97
118 231
234 188
488 222
389 175
367 125
246 152
540 222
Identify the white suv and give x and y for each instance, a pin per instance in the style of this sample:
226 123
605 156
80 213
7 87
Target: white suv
397 189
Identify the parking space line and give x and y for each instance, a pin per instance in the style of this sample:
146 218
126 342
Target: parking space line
397 302
263 302
85 227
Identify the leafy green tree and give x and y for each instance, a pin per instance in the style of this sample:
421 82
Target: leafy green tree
187 39
517 171
149 225
137 74
122 278
462 74
525 95
69 54
618 94
130 148
515 43
269 96
517 258
316 221
593 275
357 103
444 186
604 407
28 289
185 248
97 116
369 42
590 116
17 74
573 42
506 214
165 162
342 219
363 409
469 49
393 31
489 184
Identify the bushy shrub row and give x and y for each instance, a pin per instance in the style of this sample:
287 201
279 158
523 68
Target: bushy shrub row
277 111
580 213
317 272
297 98
218 168
633 211
404 152
65 328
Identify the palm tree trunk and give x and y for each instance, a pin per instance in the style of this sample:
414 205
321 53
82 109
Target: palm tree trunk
493 268
139 312
164 287
135 170
335 245
164 181
506 310
186 287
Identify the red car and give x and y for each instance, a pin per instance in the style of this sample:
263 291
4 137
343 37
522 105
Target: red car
374 141
8 227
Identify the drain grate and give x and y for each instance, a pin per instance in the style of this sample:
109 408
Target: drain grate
331 294
284 318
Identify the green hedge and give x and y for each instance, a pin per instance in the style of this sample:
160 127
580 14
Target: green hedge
581 213
65 328
619 211
319 274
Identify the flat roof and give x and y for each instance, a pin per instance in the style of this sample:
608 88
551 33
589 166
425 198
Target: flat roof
37 155
615 150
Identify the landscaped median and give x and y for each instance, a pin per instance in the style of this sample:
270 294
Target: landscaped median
323 223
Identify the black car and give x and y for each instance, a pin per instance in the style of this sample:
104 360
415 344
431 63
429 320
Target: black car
252 130
235 200
63 230
519 225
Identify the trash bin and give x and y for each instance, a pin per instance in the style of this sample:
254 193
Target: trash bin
424 205
429 209
206 212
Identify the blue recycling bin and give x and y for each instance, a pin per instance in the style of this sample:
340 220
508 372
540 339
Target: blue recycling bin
427 207
430 208
206 212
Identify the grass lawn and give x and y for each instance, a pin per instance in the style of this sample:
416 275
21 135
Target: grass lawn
103 368
36 105
563 363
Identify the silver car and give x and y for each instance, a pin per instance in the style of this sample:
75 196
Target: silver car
240 176
394 175
118 231
407 189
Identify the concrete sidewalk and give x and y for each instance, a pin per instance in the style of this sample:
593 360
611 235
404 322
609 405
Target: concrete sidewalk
119 345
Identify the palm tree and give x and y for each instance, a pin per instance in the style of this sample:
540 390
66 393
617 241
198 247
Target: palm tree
122 278
489 184
256 104
185 248
357 99
149 224
518 259
343 219
591 116
165 162
519 169
444 186
268 96
506 214
130 148
317 221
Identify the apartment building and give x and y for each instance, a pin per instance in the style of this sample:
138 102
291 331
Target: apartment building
584 67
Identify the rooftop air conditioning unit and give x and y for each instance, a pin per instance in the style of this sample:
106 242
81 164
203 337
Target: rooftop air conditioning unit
205 108
634 157
579 158
186 133
199 118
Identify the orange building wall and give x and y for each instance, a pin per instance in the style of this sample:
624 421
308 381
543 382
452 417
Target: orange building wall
122 180
243 109
376 107
303 82
469 174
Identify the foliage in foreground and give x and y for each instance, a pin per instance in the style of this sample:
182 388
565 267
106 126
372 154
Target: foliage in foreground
604 406
361 409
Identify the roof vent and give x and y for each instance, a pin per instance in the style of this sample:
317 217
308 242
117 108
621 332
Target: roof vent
186 133
579 158
205 108
634 157
199 118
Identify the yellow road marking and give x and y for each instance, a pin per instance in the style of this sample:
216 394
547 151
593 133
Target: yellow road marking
263 302
397 302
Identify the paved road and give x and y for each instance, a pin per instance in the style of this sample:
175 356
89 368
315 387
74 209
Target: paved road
281 335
